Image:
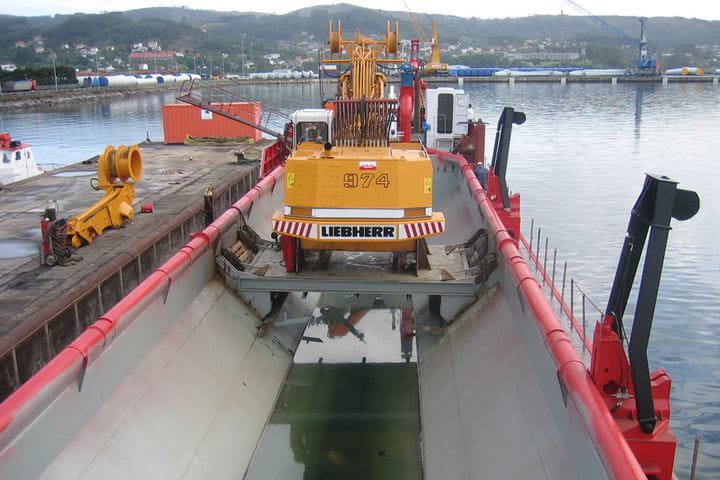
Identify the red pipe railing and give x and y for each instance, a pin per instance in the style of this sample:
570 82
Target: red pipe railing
609 442
556 294
28 401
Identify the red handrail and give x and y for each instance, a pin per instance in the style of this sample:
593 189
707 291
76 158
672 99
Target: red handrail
21 407
549 282
613 449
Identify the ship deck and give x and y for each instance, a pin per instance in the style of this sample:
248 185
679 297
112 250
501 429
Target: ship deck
43 308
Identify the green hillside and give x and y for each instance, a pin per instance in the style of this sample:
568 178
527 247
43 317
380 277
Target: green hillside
203 36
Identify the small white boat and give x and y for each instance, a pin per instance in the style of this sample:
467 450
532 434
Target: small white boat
18 161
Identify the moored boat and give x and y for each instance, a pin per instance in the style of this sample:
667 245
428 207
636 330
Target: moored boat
18 161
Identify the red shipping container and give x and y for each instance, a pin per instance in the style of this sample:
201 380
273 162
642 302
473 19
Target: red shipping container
181 120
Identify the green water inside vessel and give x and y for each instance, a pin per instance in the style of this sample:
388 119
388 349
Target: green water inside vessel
349 408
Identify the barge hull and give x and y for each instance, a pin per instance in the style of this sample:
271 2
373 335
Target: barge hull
532 401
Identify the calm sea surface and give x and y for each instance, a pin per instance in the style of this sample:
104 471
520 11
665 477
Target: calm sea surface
579 162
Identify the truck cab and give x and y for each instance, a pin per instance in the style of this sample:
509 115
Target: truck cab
446 117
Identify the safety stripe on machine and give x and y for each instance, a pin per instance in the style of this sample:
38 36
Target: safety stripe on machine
423 229
297 229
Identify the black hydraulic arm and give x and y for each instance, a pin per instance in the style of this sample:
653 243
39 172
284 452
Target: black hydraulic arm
502 148
659 201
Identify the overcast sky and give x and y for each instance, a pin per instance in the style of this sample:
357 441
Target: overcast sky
704 9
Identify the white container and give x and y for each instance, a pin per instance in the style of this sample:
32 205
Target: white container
599 72
685 71
537 73
120 81
146 82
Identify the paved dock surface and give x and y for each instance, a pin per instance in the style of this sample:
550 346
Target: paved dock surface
174 178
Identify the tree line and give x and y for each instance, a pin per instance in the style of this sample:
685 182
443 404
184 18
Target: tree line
42 75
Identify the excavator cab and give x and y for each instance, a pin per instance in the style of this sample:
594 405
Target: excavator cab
312 125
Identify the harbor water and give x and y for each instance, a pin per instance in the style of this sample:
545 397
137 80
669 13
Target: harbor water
579 163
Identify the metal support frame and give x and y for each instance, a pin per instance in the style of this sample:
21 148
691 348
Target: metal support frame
247 282
193 93
502 149
658 202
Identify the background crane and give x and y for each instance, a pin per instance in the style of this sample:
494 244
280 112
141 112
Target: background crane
435 65
644 64
416 24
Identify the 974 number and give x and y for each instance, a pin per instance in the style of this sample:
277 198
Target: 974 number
364 180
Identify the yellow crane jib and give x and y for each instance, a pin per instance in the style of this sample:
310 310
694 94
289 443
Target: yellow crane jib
118 171
435 63
363 80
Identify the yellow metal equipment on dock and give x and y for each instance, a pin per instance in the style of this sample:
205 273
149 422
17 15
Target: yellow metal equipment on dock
118 171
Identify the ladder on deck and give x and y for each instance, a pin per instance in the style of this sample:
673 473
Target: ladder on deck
218 100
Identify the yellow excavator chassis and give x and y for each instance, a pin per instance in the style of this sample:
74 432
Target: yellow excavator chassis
359 198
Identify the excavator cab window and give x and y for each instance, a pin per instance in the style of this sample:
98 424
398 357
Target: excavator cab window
445 113
313 132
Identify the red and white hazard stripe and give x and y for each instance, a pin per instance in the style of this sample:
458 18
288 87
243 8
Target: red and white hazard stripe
422 229
296 229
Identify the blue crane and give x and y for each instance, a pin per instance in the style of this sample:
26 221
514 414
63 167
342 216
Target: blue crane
644 64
